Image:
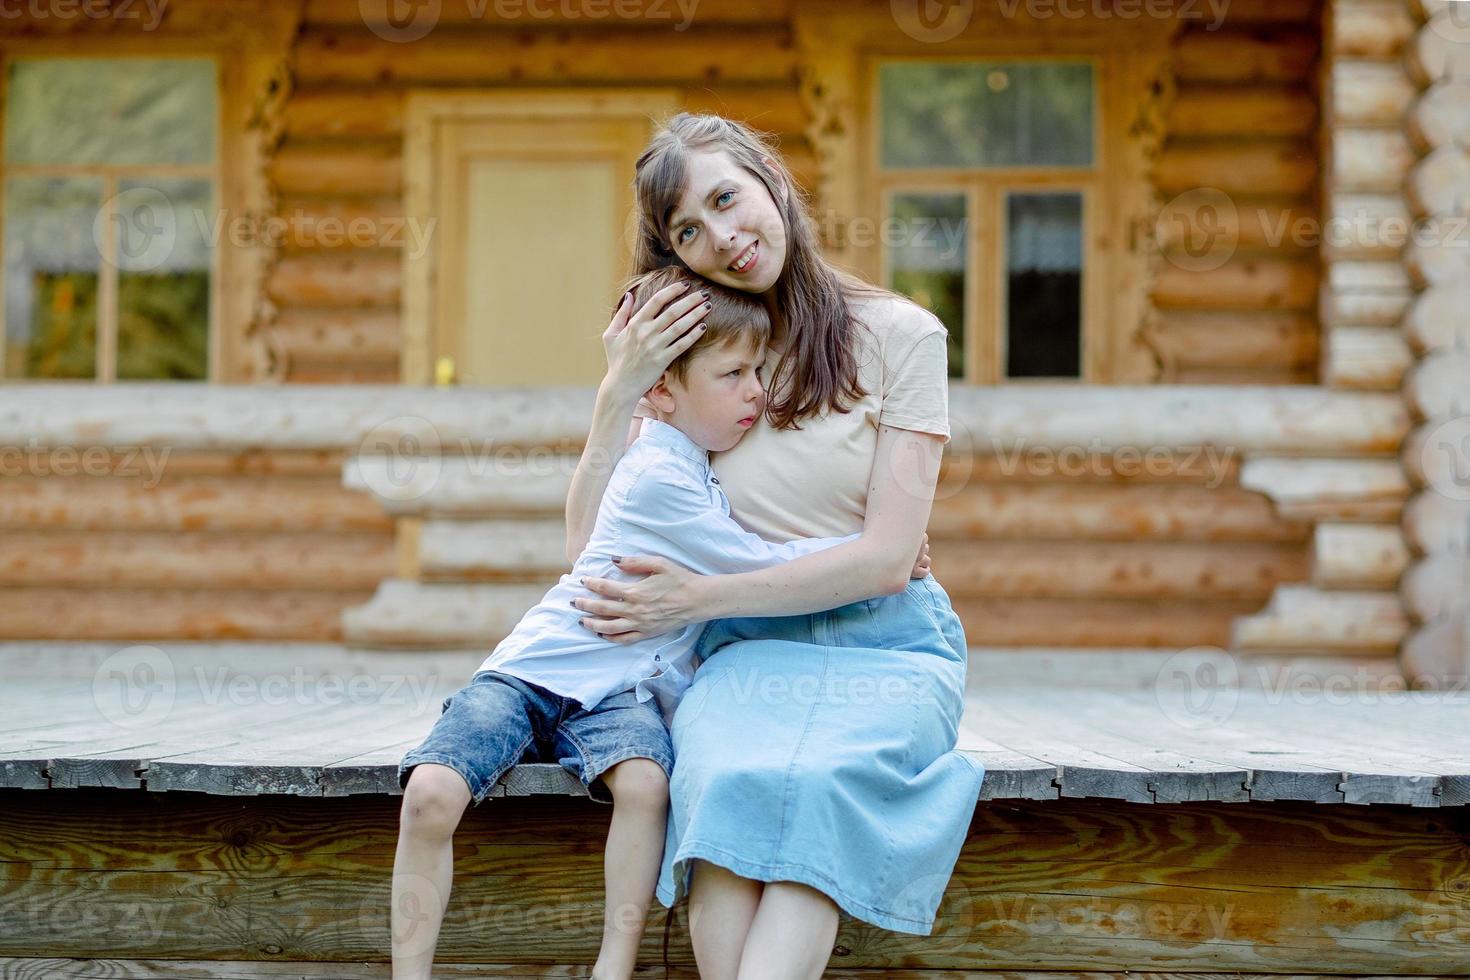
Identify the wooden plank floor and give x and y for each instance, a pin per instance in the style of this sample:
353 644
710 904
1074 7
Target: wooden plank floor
1139 726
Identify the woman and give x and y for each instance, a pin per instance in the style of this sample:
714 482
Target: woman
814 768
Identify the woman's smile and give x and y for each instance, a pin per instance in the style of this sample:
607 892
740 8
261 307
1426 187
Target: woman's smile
746 260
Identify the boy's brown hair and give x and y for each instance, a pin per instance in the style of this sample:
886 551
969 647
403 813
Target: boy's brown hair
733 317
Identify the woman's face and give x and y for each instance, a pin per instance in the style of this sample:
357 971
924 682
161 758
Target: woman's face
726 227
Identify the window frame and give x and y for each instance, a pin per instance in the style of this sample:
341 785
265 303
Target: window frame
985 334
242 64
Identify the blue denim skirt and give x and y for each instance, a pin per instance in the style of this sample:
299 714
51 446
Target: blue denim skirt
820 749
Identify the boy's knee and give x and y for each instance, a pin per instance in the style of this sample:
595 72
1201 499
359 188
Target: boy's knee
434 799
639 781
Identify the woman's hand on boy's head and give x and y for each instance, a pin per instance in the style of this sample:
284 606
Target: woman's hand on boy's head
641 343
626 612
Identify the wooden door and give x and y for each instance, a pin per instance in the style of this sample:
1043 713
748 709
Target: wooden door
534 204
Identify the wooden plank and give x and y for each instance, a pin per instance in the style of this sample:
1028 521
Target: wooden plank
124 614
1358 556
1365 358
1305 618
1265 55
1329 489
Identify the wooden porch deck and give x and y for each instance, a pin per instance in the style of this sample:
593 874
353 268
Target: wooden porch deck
1138 726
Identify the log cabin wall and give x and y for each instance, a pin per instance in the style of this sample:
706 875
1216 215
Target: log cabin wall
1173 554
1434 340
1234 301
339 308
141 541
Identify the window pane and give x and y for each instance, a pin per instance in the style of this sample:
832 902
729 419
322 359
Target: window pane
110 110
1044 285
51 266
163 262
926 238
985 114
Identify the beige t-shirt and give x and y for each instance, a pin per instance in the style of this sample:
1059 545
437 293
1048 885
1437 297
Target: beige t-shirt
813 482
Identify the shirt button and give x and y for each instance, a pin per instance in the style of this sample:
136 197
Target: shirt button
657 657
714 479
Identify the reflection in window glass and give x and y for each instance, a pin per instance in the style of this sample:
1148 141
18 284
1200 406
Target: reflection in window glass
1043 285
110 110
51 269
927 253
985 114
163 278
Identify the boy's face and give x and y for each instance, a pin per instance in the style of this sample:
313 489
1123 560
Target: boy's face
721 398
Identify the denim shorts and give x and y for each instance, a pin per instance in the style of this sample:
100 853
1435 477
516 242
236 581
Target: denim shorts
498 720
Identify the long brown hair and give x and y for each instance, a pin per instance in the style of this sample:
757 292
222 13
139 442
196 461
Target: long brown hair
818 368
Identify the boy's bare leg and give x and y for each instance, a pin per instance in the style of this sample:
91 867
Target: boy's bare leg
635 849
423 866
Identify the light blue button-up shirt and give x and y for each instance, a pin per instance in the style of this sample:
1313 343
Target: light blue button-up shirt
662 499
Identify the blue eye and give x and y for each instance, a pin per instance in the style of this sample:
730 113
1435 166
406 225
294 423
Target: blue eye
683 236
721 199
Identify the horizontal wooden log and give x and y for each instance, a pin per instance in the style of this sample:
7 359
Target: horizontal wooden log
1305 489
1244 284
1436 388
330 224
1159 570
1437 321
1369 308
1306 618
1437 586
334 336
1374 29
361 279
1247 226
1268 55
528 57
1369 160
1358 556
1438 118
1010 421
1236 376
489 550
1191 339
365 373
518 13
463 487
1370 93
1440 50
188 503
376 111
1094 623
1439 184
1436 523
1100 512
368 168
295 560
1366 358
1376 275
1247 111
1365 226
1260 167
117 615
439 615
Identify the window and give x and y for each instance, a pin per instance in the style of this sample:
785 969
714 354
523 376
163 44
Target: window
110 178
985 173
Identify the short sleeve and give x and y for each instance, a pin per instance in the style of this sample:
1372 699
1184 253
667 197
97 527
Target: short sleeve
916 384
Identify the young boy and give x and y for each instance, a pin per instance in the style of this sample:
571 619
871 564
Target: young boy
555 690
